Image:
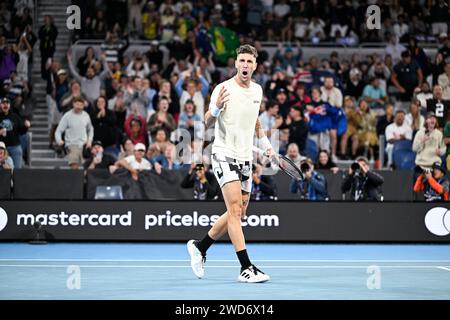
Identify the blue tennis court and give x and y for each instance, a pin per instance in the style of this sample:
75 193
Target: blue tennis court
162 271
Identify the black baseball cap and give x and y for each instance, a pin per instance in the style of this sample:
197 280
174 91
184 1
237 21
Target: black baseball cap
97 143
439 166
5 100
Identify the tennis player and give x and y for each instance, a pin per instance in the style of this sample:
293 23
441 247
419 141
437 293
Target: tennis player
234 108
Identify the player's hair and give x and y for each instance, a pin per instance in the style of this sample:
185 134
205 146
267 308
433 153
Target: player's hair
246 48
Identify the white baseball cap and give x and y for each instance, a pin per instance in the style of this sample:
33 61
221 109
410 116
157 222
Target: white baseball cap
2 145
139 146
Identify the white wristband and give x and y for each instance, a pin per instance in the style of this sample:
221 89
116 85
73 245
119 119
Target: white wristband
214 110
265 143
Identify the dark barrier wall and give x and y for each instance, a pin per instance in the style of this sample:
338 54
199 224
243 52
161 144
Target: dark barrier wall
150 185
48 184
184 220
68 184
5 184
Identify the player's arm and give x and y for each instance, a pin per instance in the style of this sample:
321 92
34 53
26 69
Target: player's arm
218 99
264 142
209 119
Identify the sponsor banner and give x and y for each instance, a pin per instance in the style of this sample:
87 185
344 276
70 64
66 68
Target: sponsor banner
184 220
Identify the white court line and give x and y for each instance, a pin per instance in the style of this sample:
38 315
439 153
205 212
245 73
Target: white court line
219 260
443 268
235 266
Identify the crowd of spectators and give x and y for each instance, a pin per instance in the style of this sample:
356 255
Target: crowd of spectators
123 98
339 21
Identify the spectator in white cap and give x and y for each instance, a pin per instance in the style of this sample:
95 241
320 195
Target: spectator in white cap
137 162
6 161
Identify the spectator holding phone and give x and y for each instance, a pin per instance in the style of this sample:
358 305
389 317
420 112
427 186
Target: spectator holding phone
429 143
98 159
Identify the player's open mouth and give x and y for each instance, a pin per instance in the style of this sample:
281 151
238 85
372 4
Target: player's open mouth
244 73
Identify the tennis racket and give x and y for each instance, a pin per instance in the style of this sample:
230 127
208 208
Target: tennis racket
283 163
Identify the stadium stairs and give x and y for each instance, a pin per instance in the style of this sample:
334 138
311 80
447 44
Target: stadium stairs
41 156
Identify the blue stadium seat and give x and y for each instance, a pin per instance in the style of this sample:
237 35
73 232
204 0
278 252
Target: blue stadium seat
404 160
108 193
403 145
311 150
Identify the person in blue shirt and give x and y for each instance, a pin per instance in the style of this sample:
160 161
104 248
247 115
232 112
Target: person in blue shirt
167 160
313 187
190 120
375 95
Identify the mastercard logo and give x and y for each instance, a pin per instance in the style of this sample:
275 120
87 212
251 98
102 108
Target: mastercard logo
437 221
3 219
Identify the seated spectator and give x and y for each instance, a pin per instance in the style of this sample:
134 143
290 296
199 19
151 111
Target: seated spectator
159 144
126 149
270 118
314 187
414 119
203 182
136 129
12 126
380 71
429 143
263 186
168 160
375 96
6 162
355 85
423 93
433 183
194 91
78 132
161 119
294 154
385 119
190 120
324 162
397 131
363 184
137 162
98 159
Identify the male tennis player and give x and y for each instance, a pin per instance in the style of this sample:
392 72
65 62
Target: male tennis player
234 108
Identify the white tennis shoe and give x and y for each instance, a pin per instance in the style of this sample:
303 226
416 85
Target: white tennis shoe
253 275
197 259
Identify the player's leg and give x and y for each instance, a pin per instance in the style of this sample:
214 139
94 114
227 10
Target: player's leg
251 273
233 201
